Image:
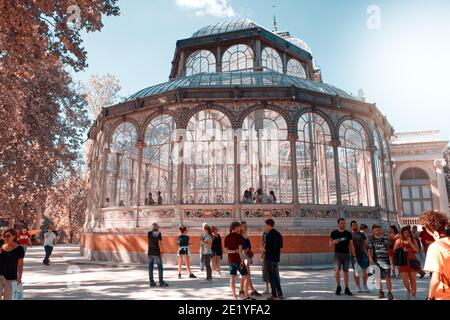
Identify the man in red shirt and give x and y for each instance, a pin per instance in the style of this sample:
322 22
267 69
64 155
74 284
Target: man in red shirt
24 239
233 247
426 239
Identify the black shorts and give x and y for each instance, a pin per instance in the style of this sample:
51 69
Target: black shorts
183 252
342 261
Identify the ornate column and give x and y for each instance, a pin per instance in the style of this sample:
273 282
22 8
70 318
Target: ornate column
443 196
372 150
180 162
393 191
383 164
293 141
181 66
219 59
336 143
258 62
237 168
140 147
103 183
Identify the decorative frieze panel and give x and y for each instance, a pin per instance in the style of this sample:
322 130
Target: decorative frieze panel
355 214
204 213
317 213
266 213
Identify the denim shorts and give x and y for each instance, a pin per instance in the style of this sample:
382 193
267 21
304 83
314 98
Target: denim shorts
363 262
235 267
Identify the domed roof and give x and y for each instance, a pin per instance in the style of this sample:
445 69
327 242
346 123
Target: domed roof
264 79
224 27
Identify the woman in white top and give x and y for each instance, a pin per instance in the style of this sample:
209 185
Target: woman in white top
205 243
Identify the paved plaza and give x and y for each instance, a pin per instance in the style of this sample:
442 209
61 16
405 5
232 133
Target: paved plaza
71 277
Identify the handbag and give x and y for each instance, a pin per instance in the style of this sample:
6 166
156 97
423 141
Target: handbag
400 258
414 264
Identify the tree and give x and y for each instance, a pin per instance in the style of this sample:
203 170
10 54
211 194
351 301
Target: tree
66 206
101 92
42 116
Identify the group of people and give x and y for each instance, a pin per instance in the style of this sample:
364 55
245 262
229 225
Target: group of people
238 248
13 247
394 251
259 197
150 202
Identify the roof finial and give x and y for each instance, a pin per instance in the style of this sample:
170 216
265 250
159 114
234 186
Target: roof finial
275 28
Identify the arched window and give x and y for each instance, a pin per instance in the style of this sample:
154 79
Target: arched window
121 168
355 166
315 156
265 155
296 69
159 174
209 159
200 61
416 192
271 60
238 58
379 168
388 174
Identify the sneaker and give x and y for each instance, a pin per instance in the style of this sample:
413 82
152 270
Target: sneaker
348 292
192 276
422 274
338 291
390 296
164 285
256 294
381 295
249 299
152 284
179 276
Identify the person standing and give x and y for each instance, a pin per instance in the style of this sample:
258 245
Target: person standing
11 264
265 275
184 251
342 241
154 255
393 237
202 262
216 249
205 244
24 239
409 272
362 259
233 247
378 255
438 257
248 260
272 252
160 199
49 243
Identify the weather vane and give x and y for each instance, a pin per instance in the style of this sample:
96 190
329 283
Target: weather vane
275 28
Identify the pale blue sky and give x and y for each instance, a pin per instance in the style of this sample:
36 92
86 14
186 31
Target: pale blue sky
403 67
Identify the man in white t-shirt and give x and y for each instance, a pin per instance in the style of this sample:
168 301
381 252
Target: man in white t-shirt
438 255
49 243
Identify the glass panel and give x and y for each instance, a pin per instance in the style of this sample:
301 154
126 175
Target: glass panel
426 192
405 193
427 205
238 57
296 69
271 60
407 208
415 192
417 207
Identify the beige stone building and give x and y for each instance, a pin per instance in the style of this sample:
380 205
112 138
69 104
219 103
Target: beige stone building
419 174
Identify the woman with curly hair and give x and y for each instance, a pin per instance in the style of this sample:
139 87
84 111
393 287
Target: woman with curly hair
438 255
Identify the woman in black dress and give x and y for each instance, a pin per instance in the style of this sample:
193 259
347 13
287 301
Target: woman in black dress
216 248
11 264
